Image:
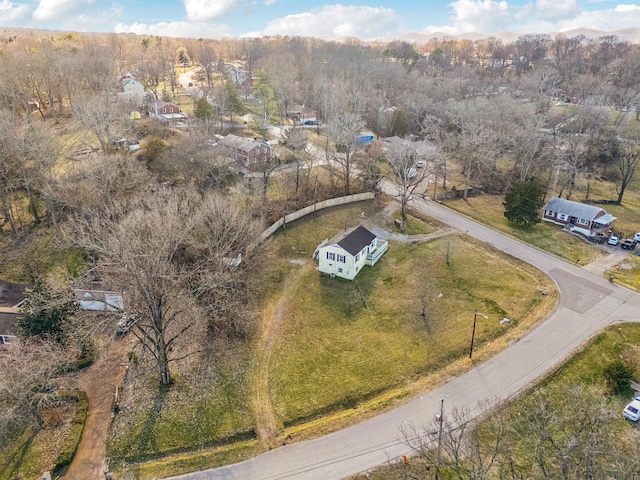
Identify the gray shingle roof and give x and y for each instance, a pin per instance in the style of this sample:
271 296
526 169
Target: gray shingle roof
356 239
573 209
240 143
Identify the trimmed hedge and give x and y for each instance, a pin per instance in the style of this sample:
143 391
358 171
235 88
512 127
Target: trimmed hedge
70 446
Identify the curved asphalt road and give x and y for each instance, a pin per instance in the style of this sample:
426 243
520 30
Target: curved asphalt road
588 303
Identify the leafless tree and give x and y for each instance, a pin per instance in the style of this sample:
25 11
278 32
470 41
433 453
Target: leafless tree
344 129
166 247
31 377
406 177
101 117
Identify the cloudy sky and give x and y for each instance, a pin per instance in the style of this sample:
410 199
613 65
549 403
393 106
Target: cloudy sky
364 19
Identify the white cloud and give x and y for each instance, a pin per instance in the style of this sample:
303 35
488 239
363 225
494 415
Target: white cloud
538 16
556 9
174 29
480 16
53 9
13 14
205 10
269 2
338 21
627 8
97 20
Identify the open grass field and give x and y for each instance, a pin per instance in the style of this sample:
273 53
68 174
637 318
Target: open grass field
343 342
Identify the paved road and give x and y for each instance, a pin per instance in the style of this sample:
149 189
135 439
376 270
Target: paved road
588 303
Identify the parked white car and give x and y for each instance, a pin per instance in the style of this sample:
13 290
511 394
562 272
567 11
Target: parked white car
632 410
636 237
613 240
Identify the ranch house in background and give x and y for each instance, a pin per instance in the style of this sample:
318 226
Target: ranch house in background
346 253
578 217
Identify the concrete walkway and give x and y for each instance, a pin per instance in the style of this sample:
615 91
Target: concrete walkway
588 303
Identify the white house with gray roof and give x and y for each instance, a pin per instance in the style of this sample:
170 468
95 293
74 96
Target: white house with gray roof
345 254
579 217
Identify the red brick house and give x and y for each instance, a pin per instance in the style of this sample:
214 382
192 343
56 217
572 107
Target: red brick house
580 217
166 112
245 150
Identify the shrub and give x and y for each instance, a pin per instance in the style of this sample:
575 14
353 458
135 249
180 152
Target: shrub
68 451
618 375
88 354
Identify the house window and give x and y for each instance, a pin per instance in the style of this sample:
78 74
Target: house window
255 160
582 221
164 110
342 259
549 213
339 270
357 257
562 216
331 256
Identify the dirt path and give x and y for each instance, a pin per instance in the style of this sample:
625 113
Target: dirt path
99 383
268 425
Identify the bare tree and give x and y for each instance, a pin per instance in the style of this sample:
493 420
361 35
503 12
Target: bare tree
100 116
31 377
406 177
165 248
344 129
626 166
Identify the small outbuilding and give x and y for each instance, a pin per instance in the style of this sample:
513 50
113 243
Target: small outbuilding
345 254
578 217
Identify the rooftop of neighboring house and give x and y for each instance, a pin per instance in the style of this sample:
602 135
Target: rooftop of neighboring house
240 143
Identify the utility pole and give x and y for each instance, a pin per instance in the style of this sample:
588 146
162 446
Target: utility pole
440 420
473 332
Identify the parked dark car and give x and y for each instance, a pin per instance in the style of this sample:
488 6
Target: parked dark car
628 244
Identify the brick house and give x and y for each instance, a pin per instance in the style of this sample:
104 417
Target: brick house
245 150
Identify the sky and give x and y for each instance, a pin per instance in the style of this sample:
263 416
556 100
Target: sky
365 19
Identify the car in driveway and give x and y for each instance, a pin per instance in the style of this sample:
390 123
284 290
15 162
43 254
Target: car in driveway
420 164
632 410
628 244
636 237
613 240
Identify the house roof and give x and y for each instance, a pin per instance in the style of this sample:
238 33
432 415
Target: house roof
161 103
240 143
573 209
354 240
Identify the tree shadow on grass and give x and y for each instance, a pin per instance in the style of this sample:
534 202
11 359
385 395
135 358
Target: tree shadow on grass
145 442
14 461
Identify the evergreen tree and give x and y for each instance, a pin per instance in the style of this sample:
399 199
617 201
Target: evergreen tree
523 202
45 311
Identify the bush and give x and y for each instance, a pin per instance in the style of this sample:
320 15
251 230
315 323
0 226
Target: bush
68 451
88 354
618 376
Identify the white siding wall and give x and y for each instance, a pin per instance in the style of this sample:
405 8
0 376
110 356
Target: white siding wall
328 266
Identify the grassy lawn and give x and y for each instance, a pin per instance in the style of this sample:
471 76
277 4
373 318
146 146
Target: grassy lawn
35 450
627 272
488 209
207 406
343 342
